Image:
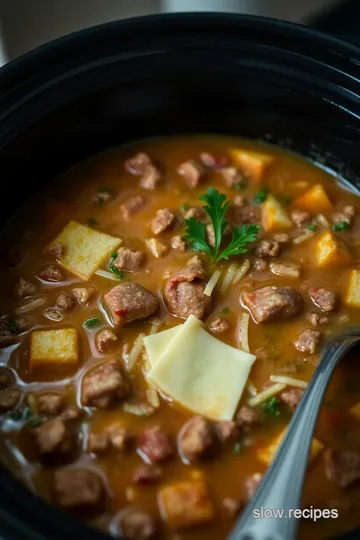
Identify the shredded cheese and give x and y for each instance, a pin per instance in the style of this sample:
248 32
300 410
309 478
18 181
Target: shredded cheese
250 387
30 305
243 269
143 409
107 275
322 220
289 381
135 352
307 234
266 394
212 283
228 277
244 332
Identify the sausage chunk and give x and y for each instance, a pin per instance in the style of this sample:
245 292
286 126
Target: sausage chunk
65 301
24 288
155 445
192 172
291 398
98 443
132 206
78 488
104 385
184 291
163 220
308 341
130 301
52 272
247 417
324 299
197 439
346 216
138 525
53 437
228 431
146 475
272 303
50 404
9 398
342 466
260 265
197 213
218 325
130 260
105 339
299 217
268 248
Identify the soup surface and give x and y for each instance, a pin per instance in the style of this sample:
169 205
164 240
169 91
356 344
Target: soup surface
169 437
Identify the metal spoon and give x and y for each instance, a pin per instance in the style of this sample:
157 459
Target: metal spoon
282 485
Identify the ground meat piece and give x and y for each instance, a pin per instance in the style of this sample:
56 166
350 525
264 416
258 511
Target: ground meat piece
56 250
6 337
150 177
228 431
155 445
103 385
251 484
78 488
83 294
316 319
24 288
268 248
286 269
308 341
138 525
146 474
197 213
218 325
132 206
259 265
192 172
71 413
6 378
282 238
119 438
299 217
129 260
24 323
50 404
98 443
272 303
342 466
105 339
184 291
346 216
130 301
162 221
178 242
291 397
16 256
245 215
239 200
52 272
65 301
233 506
231 176
324 299
53 437
138 164
9 398
211 161
247 417
197 439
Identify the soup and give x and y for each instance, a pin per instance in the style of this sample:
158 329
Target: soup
163 308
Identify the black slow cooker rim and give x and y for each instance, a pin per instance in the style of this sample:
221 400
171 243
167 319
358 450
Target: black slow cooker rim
23 514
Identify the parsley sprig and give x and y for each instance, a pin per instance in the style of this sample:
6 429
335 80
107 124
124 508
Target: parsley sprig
216 207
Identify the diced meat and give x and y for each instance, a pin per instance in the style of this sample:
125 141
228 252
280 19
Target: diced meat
197 213
260 265
24 288
197 439
308 341
71 413
16 256
251 484
218 325
130 301
138 164
228 431
9 398
65 301
231 176
98 443
178 242
286 269
78 488
184 291
156 247
239 200
119 438
50 404
138 525
245 215
300 217
162 221
247 417
132 206
6 378
272 303
342 466
23 324
268 248
146 475
105 339
56 251
212 162
316 319
83 294
346 216
291 397
155 445
103 385
7 338
150 177
192 172
233 506
52 272
324 299
103 196
53 437
282 238
130 260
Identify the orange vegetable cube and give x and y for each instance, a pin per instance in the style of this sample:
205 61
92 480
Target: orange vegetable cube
274 215
50 348
315 200
253 164
267 454
353 294
331 251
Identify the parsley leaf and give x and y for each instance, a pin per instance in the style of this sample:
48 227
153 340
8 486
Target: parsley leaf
195 233
261 196
241 236
225 309
311 227
272 406
341 226
92 222
216 207
184 206
238 447
118 273
93 322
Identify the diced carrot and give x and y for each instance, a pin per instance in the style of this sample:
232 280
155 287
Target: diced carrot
253 164
274 215
353 293
315 200
331 251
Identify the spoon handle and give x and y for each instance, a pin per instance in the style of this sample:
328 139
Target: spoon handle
281 488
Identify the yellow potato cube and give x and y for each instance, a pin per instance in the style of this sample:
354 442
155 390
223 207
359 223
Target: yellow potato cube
49 347
355 411
353 293
315 200
331 251
185 504
85 249
274 216
267 454
254 164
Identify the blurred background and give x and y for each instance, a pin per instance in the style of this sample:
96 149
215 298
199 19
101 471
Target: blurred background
25 24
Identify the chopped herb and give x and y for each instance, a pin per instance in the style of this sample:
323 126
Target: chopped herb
12 326
272 406
261 196
118 273
311 227
35 422
184 206
240 186
92 323
106 190
225 309
287 200
92 222
15 415
238 448
341 226
216 207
